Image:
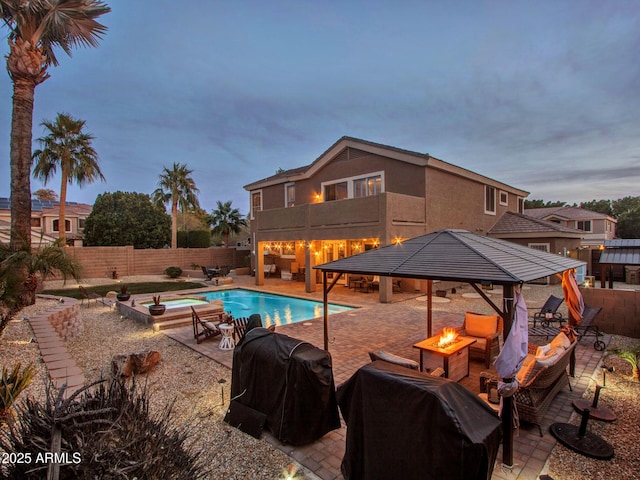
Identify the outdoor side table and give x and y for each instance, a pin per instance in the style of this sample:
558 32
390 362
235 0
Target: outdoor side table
226 343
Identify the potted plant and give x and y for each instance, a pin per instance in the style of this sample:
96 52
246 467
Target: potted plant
157 308
124 294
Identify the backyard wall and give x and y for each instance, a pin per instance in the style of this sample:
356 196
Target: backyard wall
620 310
99 262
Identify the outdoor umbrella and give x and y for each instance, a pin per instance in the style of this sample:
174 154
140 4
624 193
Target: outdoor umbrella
573 297
515 348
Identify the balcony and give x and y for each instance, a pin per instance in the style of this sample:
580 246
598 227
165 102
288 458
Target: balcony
373 216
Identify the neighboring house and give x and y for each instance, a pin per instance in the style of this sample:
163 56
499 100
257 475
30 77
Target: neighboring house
597 228
37 237
540 234
45 222
359 195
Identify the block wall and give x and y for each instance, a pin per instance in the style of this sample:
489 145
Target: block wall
620 310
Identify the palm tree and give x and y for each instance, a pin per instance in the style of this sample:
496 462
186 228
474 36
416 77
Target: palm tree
68 147
36 27
23 270
225 220
177 187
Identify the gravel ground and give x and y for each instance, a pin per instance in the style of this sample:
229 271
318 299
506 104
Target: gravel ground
182 374
196 384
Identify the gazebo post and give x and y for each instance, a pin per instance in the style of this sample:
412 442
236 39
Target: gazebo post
325 299
507 401
429 307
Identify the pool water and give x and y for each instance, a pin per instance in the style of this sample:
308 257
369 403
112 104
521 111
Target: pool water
274 309
178 303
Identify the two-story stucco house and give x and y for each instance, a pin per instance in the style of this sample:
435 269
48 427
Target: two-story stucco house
45 222
597 228
360 195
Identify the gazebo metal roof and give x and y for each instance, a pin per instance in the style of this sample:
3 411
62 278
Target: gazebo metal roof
456 255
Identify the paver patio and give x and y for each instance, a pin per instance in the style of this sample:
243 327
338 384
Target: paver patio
396 327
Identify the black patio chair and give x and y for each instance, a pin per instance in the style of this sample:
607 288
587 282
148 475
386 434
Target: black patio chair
587 327
549 312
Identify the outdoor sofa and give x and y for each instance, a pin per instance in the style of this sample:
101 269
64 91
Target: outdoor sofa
542 375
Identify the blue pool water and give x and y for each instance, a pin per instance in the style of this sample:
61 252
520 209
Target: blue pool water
274 309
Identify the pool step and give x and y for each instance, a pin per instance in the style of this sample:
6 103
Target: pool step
164 324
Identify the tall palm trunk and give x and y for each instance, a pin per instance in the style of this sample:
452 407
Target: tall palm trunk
27 67
62 225
174 222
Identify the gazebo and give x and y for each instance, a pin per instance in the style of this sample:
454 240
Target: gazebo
460 256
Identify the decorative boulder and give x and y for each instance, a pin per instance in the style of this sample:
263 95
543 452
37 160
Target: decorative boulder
124 365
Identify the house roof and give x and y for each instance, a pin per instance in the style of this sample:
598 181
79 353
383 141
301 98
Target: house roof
512 223
416 158
565 213
46 205
37 237
456 255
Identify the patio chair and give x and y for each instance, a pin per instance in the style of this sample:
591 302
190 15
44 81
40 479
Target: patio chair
487 331
549 312
354 281
88 296
204 328
587 327
401 361
209 275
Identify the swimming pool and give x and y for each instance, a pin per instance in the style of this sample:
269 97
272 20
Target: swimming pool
274 309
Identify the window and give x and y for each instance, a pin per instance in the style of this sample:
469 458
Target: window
365 187
290 194
256 202
504 198
489 200
56 225
81 223
336 191
520 205
35 222
584 225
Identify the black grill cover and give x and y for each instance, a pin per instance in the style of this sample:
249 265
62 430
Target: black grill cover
288 380
406 424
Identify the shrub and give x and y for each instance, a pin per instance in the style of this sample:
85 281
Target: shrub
12 384
107 432
173 272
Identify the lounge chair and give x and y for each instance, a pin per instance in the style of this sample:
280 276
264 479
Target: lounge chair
487 331
549 312
587 327
89 296
204 328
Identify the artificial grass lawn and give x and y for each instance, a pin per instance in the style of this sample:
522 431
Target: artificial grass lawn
133 288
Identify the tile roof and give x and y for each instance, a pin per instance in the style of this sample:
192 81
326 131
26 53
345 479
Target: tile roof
566 213
512 222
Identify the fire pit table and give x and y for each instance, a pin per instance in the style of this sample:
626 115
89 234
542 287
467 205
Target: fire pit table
454 357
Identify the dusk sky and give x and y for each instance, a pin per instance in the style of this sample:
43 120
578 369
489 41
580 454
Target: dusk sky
543 96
